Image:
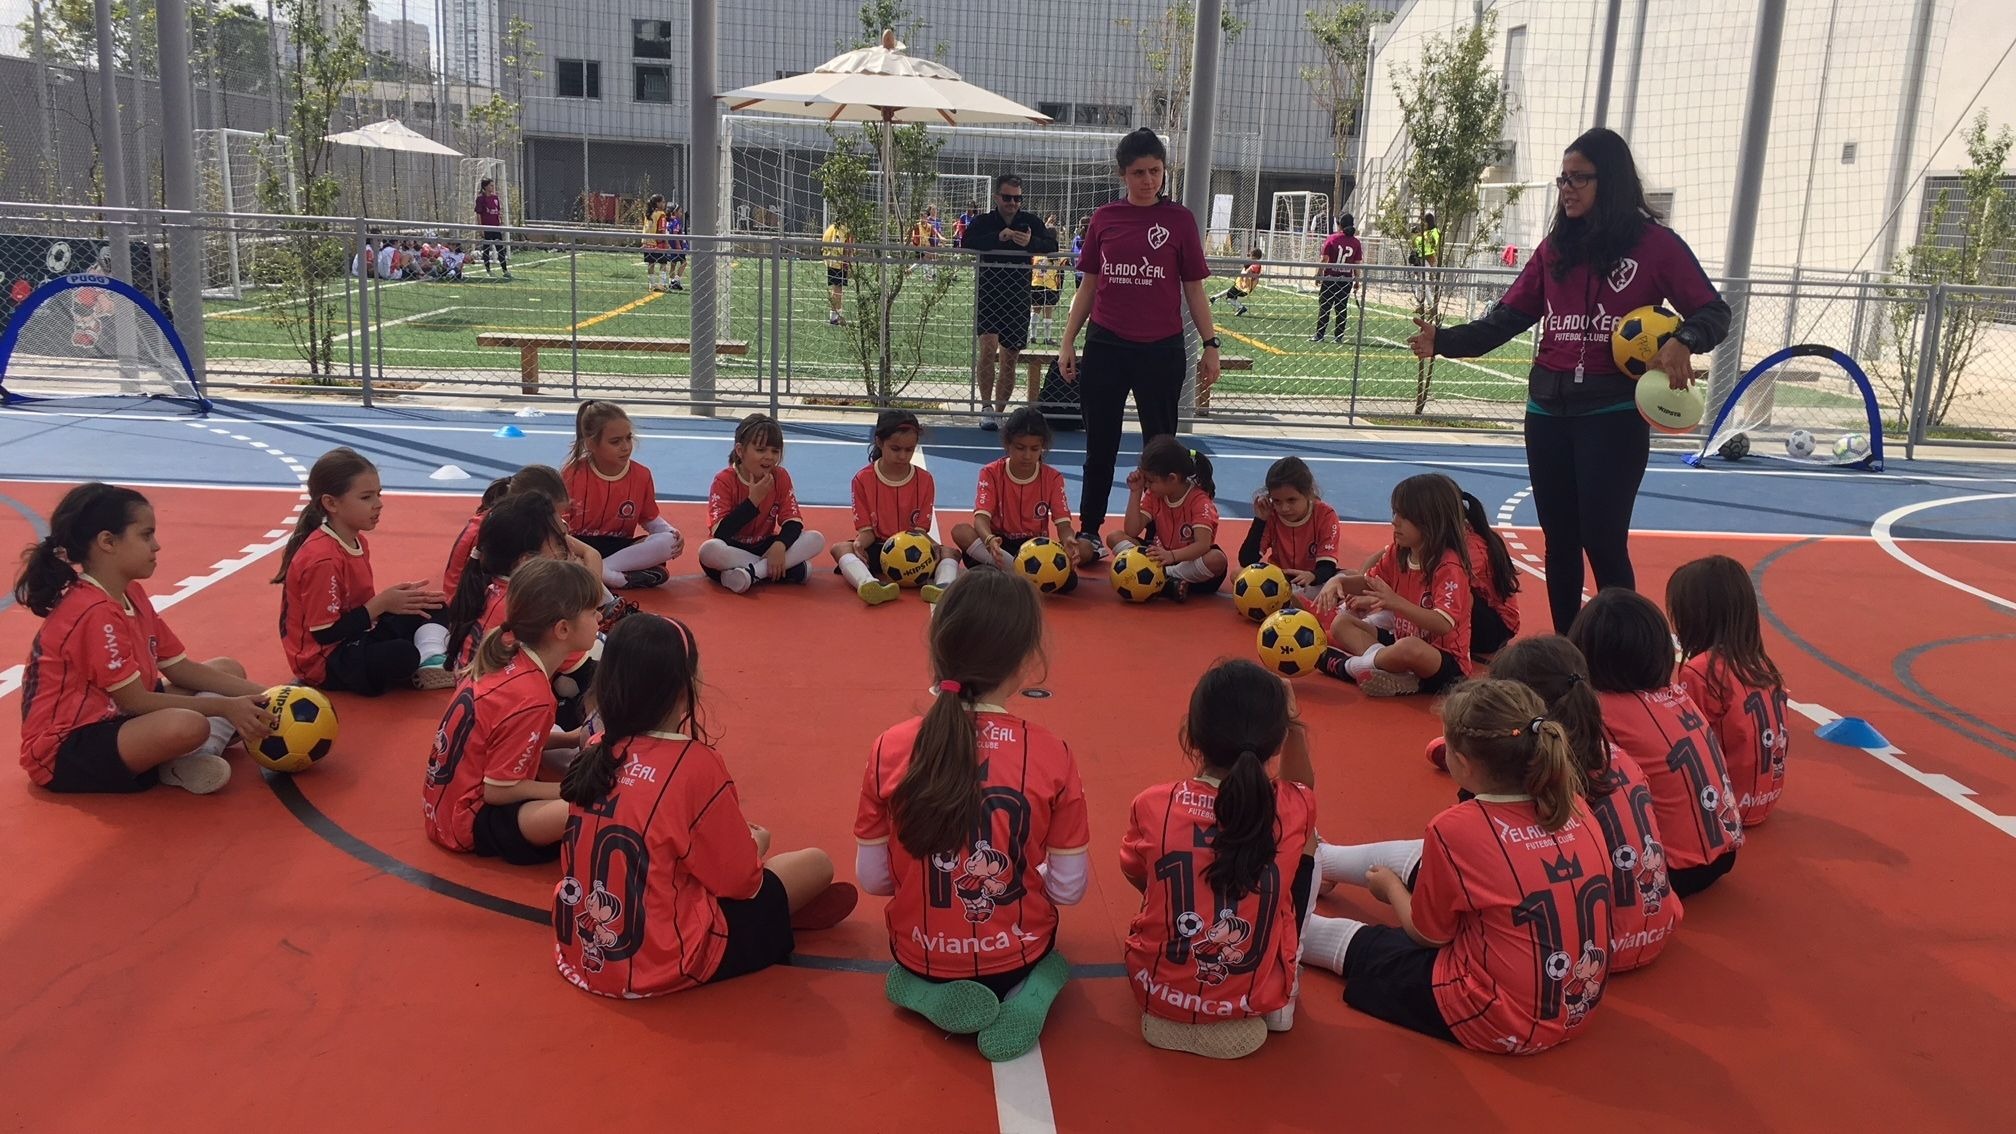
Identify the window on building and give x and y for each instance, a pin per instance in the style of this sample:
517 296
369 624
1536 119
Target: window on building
651 39
1847 153
1514 79
653 82
1060 111
789 74
577 78
1103 114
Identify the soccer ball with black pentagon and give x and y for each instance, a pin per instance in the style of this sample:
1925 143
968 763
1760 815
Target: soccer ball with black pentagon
1291 642
1736 448
908 558
1045 563
1639 335
305 732
1261 590
1136 577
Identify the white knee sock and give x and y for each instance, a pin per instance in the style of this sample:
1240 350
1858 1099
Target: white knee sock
719 555
1120 545
809 544
1352 864
221 734
1326 941
979 550
948 570
431 639
654 550
854 570
1191 571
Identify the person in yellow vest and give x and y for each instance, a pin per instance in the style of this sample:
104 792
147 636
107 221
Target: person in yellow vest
1427 242
838 265
1046 278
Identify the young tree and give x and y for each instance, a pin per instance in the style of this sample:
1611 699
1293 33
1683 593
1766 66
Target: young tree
1452 112
1168 55
1343 31
496 125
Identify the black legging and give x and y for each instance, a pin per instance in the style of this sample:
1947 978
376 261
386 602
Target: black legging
1333 295
1586 471
1110 370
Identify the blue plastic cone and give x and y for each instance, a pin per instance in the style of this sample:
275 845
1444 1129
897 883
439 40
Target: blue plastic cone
509 431
1853 732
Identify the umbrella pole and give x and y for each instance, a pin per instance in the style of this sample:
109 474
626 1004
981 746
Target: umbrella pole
888 202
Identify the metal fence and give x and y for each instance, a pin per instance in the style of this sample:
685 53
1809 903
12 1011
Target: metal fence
377 311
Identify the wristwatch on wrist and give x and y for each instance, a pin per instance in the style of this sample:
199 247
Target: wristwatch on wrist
1690 338
1211 343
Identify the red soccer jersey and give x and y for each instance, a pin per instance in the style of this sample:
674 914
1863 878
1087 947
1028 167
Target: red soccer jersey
325 579
643 871
893 506
460 555
1527 917
494 602
91 644
983 909
1177 523
1506 607
1300 547
730 490
1670 740
1750 723
609 505
1644 910
1018 509
493 732
1446 588
1194 956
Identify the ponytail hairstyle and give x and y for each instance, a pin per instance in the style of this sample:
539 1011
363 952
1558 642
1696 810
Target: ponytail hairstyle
331 475
986 628
589 421
519 526
1292 472
1497 558
541 480
1027 421
1551 666
888 424
493 492
1238 719
1432 503
1502 727
649 672
1166 456
1624 637
543 592
1714 609
49 565
758 429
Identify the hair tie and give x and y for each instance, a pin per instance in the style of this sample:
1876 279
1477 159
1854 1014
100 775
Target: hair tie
1535 724
1245 752
1575 679
951 687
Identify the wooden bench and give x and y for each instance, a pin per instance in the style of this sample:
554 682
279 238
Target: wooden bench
529 346
1038 361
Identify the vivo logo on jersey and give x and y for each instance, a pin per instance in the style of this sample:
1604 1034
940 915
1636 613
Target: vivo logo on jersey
113 660
1621 276
1190 1001
1011 938
335 596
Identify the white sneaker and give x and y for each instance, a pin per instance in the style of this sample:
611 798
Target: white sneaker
738 579
197 773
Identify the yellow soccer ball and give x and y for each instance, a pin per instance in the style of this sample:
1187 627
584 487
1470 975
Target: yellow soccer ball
305 732
909 558
1136 577
1291 642
1636 339
1260 590
1045 563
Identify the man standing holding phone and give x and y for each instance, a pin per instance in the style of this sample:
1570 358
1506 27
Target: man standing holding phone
1006 239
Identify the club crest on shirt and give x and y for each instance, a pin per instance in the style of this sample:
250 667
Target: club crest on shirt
627 509
1622 275
1157 236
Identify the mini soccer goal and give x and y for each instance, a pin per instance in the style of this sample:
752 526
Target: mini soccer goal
1298 225
1808 404
240 171
80 338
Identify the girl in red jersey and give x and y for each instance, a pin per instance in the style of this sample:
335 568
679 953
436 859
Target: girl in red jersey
1223 863
480 795
1171 507
1731 678
340 632
892 495
973 820
613 497
98 712
1293 529
1504 909
1630 653
1494 613
758 533
1018 499
1644 911
664 885
1425 581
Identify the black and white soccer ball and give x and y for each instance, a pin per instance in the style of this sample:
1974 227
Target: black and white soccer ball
1558 964
1711 799
57 259
1189 923
1736 448
570 890
1625 857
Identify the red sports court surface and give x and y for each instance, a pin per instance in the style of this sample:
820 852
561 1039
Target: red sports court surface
304 956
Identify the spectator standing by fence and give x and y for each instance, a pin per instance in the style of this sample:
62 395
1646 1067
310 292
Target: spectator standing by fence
1006 240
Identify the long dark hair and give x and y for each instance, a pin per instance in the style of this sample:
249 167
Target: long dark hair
1624 637
1611 228
1166 456
888 424
542 479
1714 608
49 566
1551 666
1292 472
1497 557
1433 503
1027 421
1501 726
1238 719
520 525
331 475
987 626
650 669
543 592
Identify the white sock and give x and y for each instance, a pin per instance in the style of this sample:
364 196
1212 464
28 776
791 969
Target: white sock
1381 619
1352 864
979 550
1121 545
431 639
1326 941
854 570
1364 663
759 569
221 734
948 570
1191 571
719 555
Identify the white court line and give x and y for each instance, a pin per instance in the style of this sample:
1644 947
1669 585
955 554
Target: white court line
1022 1095
381 288
1880 532
347 335
1939 784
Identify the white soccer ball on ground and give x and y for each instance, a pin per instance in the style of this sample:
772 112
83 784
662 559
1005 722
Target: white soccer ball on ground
1799 444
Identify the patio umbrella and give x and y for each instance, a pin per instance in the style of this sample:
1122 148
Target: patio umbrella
392 135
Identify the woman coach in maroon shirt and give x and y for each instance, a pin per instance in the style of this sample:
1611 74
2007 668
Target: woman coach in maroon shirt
1605 255
1144 259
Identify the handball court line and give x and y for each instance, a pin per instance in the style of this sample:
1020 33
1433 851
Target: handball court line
1881 529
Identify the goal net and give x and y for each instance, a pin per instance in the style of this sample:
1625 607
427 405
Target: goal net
1807 404
1298 225
82 337
236 172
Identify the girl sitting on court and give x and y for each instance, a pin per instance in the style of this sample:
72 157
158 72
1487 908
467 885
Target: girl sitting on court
973 921
1644 911
339 631
1223 863
664 884
1494 613
1504 910
612 497
1726 671
98 712
1019 498
758 532
1293 529
1629 648
1424 580
480 794
891 496
1171 507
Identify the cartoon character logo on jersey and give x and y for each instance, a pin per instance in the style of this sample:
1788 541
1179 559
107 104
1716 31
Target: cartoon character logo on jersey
437 760
983 879
1721 808
1651 877
596 922
1584 986
1223 946
1773 742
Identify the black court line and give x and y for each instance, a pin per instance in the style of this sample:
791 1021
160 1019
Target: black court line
1907 662
288 792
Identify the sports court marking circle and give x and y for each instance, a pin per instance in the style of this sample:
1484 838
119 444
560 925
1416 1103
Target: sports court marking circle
1881 529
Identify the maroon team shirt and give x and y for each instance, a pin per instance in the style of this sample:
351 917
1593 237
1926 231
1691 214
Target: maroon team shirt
1578 312
1141 256
1344 253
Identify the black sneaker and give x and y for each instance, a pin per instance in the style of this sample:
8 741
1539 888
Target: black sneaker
615 612
648 577
1331 664
1097 546
1175 590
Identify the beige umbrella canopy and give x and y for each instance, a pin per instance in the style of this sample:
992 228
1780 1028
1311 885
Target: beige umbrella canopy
391 135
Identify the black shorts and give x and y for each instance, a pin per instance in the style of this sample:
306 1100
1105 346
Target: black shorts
1005 315
87 762
1303 887
607 545
655 257
675 257
1390 976
497 836
759 931
1043 297
1000 984
1488 632
836 277
1690 880
1450 674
